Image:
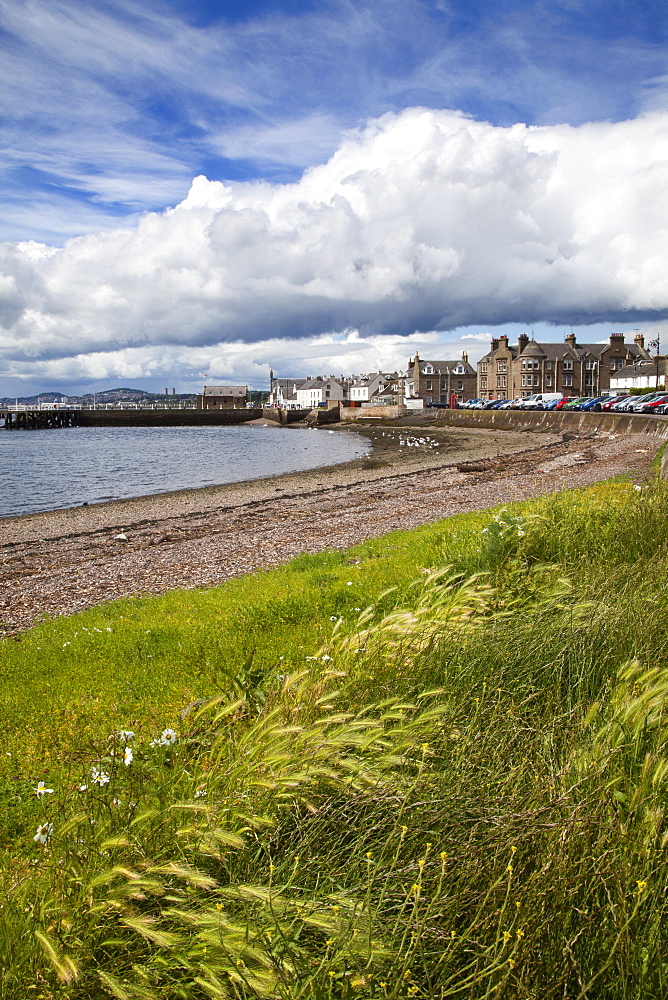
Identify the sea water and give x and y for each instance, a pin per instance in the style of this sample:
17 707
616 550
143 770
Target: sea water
68 466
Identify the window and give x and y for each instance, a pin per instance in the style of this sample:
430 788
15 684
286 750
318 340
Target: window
444 385
567 380
536 380
524 380
460 384
429 370
524 364
548 381
501 365
483 382
590 366
500 381
429 386
568 366
548 366
483 367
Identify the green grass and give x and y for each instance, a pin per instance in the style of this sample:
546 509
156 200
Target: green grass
434 765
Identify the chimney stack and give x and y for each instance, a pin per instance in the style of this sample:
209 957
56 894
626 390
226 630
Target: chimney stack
522 342
465 357
639 340
570 339
495 343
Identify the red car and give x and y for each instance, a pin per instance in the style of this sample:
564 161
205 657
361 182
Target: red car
609 403
562 402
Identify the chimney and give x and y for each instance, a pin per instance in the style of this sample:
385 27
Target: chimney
495 343
465 357
522 342
639 340
616 339
570 339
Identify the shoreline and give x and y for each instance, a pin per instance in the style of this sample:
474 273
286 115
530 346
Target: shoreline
67 561
385 458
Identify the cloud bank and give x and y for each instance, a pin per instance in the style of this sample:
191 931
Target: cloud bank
422 220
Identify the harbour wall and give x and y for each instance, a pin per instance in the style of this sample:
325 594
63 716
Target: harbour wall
551 420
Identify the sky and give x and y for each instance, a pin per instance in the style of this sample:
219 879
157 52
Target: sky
199 192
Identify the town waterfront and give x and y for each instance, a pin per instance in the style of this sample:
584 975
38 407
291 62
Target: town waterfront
51 469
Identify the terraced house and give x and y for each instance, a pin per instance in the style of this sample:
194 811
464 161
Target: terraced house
437 381
511 372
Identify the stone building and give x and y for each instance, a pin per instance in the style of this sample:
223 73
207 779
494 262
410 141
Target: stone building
511 372
437 381
217 397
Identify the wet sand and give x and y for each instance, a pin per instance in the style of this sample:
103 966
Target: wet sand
60 562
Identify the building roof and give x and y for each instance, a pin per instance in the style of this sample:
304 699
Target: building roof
225 390
633 371
446 366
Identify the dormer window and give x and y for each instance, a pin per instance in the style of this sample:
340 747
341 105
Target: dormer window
429 370
460 369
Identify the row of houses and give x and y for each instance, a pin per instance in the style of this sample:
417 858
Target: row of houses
423 382
516 371
505 372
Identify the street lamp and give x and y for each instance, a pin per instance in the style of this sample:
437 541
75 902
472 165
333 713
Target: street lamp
656 343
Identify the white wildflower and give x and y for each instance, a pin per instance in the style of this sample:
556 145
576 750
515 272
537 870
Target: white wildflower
168 737
99 777
43 833
42 790
127 756
126 735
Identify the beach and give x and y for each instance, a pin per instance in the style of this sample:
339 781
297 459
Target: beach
61 562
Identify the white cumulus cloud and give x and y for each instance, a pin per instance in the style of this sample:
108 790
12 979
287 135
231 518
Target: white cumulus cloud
422 220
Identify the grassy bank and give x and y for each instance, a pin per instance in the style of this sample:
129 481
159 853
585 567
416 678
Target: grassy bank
433 766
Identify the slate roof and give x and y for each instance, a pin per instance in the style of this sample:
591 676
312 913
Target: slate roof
445 366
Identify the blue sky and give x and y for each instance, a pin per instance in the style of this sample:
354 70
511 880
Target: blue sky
111 110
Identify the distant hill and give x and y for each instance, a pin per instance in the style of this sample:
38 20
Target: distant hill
107 396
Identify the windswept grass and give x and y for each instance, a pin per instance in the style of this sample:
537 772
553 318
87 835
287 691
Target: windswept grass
433 766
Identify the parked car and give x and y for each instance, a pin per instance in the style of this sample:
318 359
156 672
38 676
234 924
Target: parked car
639 401
553 403
539 400
575 403
623 404
594 405
559 405
653 404
610 402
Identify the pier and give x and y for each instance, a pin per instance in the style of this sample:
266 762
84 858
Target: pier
25 418
44 417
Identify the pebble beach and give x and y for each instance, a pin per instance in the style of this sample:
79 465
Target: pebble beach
63 561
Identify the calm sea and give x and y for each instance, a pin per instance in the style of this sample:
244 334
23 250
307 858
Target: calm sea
65 467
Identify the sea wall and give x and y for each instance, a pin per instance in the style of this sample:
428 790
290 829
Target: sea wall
551 420
372 412
164 418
